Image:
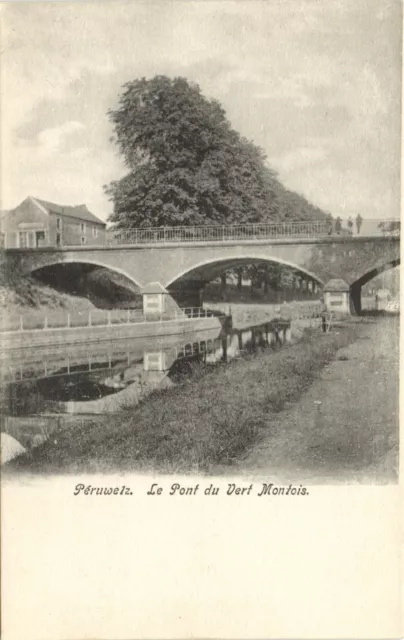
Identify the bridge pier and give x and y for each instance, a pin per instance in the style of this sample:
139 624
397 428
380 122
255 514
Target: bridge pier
355 302
337 296
157 301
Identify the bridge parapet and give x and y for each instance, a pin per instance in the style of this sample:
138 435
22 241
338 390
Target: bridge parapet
262 231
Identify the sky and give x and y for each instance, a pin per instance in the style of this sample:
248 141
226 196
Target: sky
316 84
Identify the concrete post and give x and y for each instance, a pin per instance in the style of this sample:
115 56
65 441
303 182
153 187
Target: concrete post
337 296
154 295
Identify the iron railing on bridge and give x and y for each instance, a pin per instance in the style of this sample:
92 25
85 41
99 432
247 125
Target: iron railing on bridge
261 231
218 233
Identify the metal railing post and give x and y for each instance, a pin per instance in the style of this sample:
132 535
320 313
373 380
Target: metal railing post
45 323
68 320
89 318
21 324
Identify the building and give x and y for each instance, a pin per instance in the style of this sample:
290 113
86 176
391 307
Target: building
38 223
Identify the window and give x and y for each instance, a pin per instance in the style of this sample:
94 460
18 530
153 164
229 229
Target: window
83 240
95 231
83 227
23 239
58 223
58 243
39 238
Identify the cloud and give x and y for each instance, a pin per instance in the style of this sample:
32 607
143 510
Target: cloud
299 157
317 85
53 141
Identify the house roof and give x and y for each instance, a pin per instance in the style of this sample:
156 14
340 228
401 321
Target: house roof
154 287
78 211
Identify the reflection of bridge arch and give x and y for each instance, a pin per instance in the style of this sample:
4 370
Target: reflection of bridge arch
73 261
212 268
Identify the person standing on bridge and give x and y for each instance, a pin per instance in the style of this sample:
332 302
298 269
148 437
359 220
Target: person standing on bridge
338 224
350 225
358 223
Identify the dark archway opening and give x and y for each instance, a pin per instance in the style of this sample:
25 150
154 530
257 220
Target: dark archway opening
245 280
104 288
371 292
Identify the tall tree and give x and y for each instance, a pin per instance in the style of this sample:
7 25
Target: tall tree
186 164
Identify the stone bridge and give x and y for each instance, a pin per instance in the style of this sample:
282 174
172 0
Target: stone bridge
182 269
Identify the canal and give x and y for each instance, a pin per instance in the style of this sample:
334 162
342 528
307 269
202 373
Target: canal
43 389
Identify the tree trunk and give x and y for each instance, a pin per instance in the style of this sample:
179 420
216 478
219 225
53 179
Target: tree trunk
239 279
266 279
253 276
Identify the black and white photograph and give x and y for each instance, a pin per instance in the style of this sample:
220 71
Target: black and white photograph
199 255
201 239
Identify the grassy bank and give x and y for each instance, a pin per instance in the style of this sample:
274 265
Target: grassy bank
21 293
76 290
210 419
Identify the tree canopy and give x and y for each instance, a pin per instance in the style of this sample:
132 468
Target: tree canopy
187 165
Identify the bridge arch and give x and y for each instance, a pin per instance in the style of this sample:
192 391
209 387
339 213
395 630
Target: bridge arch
101 265
375 271
364 278
211 268
103 285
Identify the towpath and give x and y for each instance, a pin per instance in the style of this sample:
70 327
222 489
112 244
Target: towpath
345 428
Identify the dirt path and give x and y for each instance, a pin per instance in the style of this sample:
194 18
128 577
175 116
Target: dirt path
345 428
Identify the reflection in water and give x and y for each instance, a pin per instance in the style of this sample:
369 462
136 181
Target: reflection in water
105 377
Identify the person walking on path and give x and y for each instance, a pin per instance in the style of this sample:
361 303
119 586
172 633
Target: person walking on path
323 315
358 223
350 225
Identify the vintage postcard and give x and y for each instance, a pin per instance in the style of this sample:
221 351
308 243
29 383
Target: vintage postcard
200 320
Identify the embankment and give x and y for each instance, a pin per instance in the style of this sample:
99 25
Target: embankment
72 289
20 294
